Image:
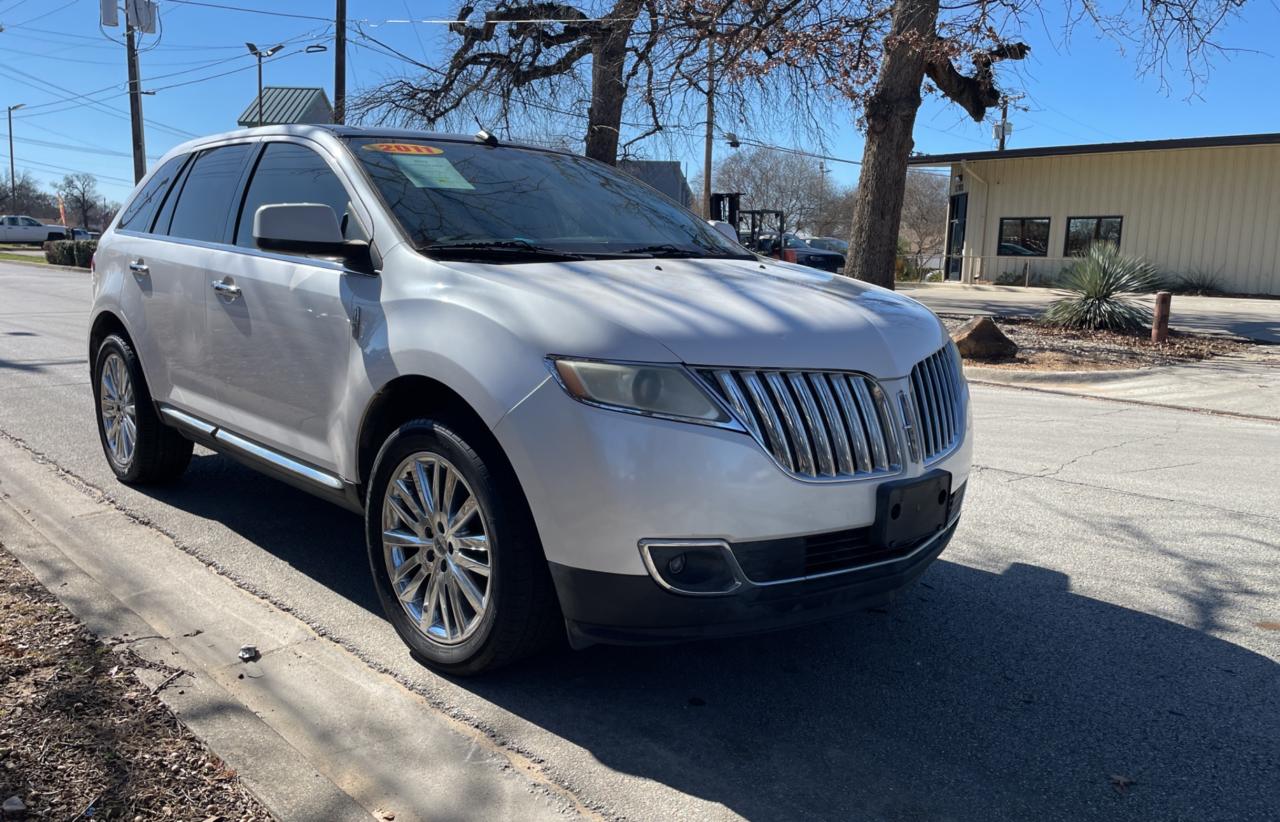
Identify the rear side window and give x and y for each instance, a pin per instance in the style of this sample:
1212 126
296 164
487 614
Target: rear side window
142 209
208 194
290 173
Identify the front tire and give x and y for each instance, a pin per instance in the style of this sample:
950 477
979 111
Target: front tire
454 554
139 447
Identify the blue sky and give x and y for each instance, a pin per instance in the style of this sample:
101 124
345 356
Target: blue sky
1081 91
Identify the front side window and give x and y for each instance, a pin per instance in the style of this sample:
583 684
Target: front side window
1024 237
207 196
506 203
290 173
141 210
1083 232
29 221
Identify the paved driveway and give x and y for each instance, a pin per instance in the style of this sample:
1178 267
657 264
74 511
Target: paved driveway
1256 319
1107 609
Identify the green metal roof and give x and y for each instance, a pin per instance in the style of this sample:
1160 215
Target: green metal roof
282 105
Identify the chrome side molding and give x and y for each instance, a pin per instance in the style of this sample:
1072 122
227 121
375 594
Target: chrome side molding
248 448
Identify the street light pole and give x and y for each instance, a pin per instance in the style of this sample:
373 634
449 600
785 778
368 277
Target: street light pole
13 176
259 53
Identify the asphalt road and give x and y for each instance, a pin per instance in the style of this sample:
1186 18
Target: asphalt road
1107 610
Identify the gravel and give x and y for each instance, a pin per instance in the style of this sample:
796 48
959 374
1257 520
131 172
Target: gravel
81 737
1044 348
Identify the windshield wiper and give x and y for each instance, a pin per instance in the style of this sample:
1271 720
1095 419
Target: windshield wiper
673 251
502 249
665 250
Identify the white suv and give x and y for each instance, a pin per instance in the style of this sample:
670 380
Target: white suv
559 399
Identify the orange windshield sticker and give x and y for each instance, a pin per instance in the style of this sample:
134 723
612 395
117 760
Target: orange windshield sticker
403 148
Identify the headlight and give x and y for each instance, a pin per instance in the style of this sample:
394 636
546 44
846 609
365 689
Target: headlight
657 390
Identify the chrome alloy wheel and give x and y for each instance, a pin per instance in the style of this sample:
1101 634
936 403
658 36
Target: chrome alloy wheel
435 548
119 414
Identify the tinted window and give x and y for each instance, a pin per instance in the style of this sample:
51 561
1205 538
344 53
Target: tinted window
290 173
29 221
467 194
208 194
1083 232
1024 237
142 208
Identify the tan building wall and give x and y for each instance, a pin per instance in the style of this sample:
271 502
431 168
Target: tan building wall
1213 210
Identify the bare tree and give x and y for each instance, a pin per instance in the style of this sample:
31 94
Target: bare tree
771 179
26 197
80 192
924 215
528 54
881 55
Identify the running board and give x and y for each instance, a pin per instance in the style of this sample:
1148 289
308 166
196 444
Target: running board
263 458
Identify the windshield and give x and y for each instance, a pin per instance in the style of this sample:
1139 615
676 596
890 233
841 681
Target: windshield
469 200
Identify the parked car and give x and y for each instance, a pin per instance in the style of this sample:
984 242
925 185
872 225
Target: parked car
82 234
829 244
22 229
797 250
560 400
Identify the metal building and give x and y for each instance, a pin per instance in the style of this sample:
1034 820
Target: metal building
1205 206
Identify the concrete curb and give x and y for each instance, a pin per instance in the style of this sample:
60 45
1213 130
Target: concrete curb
312 730
47 266
1005 376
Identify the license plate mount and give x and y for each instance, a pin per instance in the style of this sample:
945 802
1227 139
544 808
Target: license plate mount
910 510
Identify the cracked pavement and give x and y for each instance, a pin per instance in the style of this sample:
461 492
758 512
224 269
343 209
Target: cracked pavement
1101 613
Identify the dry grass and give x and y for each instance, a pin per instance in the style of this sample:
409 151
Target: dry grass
81 737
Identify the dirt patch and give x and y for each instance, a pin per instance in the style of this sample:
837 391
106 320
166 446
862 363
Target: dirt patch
81 737
1043 348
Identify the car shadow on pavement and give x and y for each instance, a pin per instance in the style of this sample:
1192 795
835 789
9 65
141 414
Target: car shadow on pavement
975 695
318 538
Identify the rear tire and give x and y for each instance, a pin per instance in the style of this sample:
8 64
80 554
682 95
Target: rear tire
139 447
458 566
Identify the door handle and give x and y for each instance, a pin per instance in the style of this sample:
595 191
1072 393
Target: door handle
139 267
225 289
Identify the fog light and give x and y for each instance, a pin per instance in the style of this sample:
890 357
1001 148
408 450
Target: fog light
702 568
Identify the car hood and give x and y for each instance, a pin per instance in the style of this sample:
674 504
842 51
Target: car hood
742 313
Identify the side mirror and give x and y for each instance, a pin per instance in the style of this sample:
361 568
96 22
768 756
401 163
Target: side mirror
308 228
727 230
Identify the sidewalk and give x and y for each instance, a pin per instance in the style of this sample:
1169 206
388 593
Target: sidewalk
312 731
1255 319
1245 385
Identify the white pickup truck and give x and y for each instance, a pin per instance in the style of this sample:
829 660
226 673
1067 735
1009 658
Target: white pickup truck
22 229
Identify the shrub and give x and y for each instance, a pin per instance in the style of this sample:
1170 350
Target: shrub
1103 283
1196 281
70 252
83 252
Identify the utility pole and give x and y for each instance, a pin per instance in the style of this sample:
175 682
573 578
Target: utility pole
13 174
1004 120
711 120
340 63
135 106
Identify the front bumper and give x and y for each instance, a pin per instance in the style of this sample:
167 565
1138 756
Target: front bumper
599 482
634 610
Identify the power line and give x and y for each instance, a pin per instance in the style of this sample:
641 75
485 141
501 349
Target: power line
249 10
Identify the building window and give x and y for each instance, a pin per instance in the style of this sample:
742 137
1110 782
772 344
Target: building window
1083 232
1024 237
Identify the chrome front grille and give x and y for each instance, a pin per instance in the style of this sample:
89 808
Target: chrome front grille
816 424
936 392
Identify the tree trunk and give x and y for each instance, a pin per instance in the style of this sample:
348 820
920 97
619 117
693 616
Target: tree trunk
608 93
891 117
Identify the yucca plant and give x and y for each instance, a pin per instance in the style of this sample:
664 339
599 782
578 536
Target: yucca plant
1104 283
